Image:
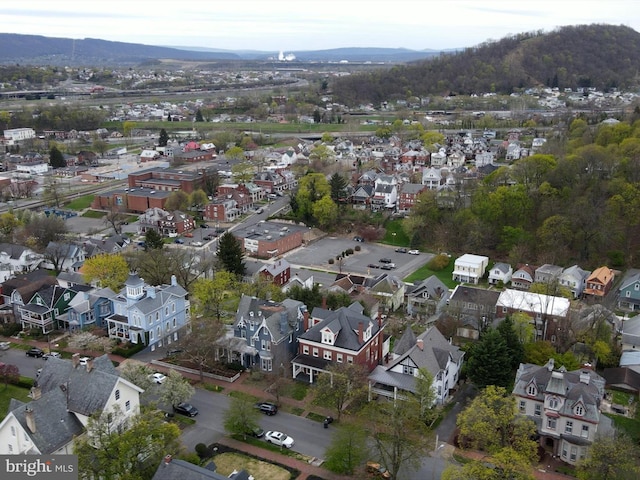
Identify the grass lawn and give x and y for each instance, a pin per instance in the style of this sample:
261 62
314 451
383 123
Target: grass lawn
227 463
80 203
296 390
629 425
395 234
423 272
94 214
11 391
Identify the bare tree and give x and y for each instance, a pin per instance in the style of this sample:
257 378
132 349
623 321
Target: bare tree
202 347
116 217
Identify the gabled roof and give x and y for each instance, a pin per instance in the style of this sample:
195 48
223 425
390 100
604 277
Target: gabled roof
477 296
28 283
602 275
174 469
346 321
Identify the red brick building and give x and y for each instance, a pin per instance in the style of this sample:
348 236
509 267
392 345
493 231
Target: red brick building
167 180
137 200
270 239
278 273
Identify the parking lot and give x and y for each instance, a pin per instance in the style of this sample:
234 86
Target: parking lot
317 254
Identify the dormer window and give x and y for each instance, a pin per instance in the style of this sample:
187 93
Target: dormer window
328 337
532 391
579 410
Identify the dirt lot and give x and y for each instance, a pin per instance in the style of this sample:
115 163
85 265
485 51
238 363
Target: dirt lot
226 463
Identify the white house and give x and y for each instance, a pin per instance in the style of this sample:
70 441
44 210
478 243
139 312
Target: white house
575 279
470 268
14 135
33 168
64 397
431 351
500 272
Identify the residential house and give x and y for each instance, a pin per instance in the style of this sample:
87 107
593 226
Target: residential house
166 223
629 292
63 257
19 290
473 308
565 406
427 297
361 196
20 259
599 283
470 268
409 193
336 336
630 330
269 331
299 279
153 316
269 181
222 209
575 279
43 308
87 309
548 313
547 273
432 178
385 197
429 351
500 273
439 158
65 395
523 277
174 468
389 290
278 272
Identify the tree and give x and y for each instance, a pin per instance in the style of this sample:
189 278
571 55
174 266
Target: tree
198 199
242 171
153 241
515 348
342 383
138 374
8 224
177 200
175 389
9 374
241 418
116 217
56 253
504 464
199 117
45 230
489 362
338 186
202 347
230 254
56 158
109 450
522 326
425 395
610 458
348 449
325 211
52 194
163 138
110 270
209 295
398 436
235 153
100 146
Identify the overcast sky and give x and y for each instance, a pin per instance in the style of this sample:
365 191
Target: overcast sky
294 25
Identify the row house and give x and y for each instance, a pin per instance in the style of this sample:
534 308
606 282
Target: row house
474 309
153 316
384 197
523 277
409 193
221 209
429 351
44 309
345 335
565 406
549 314
88 308
270 182
599 283
18 290
575 279
547 273
432 178
268 332
166 223
470 268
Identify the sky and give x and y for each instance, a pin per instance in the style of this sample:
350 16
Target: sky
297 25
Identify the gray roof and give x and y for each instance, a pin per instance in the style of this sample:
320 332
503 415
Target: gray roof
344 322
271 313
162 294
478 296
182 470
14 251
432 285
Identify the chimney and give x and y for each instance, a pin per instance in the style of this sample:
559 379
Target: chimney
31 421
167 459
550 364
283 322
89 365
75 359
174 280
324 302
151 292
36 392
420 344
360 333
305 325
585 377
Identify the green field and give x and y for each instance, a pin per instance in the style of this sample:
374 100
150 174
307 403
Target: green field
94 214
423 272
395 234
9 392
80 203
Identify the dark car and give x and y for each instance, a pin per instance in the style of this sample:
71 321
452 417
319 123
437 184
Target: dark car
204 225
207 238
267 408
385 260
35 352
186 409
373 265
256 432
358 239
178 240
401 250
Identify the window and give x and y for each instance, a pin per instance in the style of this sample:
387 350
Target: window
568 427
243 333
157 316
327 355
117 394
349 359
315 352
174 323
173 307
339 357
574 453
531 390
266 364
268 346
585 431
166 311
564 451
10 448
579 410
553 403
538 410
13 431
523 406
636 286
551 423
407 370
263 344
305 349
127 405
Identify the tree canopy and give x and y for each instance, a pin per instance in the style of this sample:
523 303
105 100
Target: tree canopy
110 270
230 254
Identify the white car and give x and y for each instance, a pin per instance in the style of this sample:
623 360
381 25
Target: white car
52 355
158 378
279 438
84 360
197 244
414 252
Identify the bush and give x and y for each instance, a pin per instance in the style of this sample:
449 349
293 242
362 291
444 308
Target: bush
349 251
10 329
128 350
331 261
235 366
439 262
203 451
358 248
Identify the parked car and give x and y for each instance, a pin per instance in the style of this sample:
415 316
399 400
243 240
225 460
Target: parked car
179 240
142 244
188 235
207 238
5 345
204 225
267 408
388 266
385 260
84 360
279 438
52 355
414 252
197 244
373 265
158 378
358 239
259 210
186 409
378 470
35 352
256 432
401 250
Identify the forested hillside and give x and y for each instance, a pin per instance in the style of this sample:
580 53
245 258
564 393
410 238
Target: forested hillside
578 205
601 56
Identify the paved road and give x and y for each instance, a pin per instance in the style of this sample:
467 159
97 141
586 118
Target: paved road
28 366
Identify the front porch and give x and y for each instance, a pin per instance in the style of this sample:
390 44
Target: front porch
308 368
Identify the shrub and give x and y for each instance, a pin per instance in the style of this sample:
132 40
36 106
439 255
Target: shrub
10 329
349 251
358 248
439 262
331 261
128 350
203 451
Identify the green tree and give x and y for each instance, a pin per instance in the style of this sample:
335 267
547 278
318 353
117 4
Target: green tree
425 395
199 117
241 418
177 200
243 171
8 224
325 211
338 185
100 146
235 153
209 294
230 254
507 463
489 362
311 188
56 158
163 138
198 199
348 449
138 374
131 453
342 383
523 328
153 240
511 339
175 389
610 458
110 270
